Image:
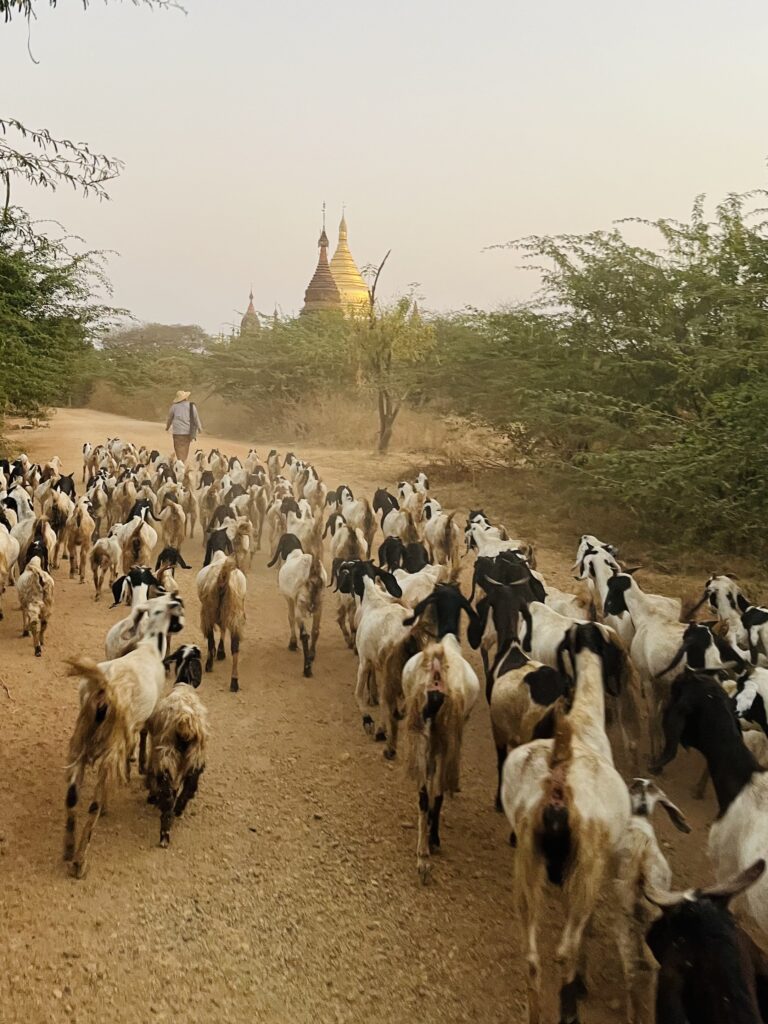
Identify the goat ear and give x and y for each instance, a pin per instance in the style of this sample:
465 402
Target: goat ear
666 900
737 884
676 816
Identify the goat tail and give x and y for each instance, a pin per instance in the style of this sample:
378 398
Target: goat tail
101 730
411 531
450 545
369 523
553 833
562 746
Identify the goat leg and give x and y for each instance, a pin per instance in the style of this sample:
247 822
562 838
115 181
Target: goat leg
165 801
188 790
234 646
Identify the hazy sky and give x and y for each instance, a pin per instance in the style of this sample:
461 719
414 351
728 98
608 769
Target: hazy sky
445 127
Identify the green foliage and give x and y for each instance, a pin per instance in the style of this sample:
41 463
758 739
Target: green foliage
645 371
391 348
288 361
48 316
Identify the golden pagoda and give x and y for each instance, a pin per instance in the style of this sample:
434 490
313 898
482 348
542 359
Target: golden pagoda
250 324
322 293
349 280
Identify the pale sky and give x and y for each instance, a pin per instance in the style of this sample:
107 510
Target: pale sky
445 127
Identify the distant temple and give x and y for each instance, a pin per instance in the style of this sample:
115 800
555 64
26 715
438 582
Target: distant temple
250 324
336 286
322 292
353 289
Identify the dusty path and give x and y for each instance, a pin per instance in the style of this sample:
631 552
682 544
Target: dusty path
289 892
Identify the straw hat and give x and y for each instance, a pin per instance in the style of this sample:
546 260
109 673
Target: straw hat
181 396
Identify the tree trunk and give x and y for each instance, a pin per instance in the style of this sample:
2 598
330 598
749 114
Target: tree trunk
388 410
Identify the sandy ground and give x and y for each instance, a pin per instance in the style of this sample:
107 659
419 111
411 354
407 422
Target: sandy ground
289 893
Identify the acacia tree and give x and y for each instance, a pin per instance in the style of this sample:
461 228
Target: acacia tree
391 347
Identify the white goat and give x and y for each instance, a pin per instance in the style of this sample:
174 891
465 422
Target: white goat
116 700
301 580
568 808
35 592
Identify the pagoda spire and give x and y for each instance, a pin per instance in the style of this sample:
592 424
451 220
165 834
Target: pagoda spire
250 324
322 293
353 289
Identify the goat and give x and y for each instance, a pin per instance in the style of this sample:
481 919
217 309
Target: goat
79 533
221 587
137 541
178 729
135 587
442 536
568 808
301 580
357 514
160 616
711 970
9 553
639 863
660 644
35 591
440 690
522 694
173 521
700 715
393 555
384 644
116 700
105 561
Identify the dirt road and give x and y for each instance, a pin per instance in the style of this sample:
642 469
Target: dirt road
289 892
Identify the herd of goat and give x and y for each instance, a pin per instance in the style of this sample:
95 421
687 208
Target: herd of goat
562 672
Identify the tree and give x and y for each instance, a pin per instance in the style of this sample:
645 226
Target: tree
48 316
391 348
28 8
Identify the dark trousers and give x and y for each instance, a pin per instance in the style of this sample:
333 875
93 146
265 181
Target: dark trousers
181 443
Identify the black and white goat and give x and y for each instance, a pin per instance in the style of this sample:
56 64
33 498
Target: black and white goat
701 716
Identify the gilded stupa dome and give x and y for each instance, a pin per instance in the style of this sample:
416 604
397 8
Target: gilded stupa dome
349 280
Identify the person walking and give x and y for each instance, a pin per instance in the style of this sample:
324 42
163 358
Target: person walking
184 423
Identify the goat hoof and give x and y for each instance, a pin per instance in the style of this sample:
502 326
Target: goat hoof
380 736
424 873
209 664
513 840
25 632
220 655
368 724
498 806
164 841
234 686
293 645
390 754
77 870
307 671
38 652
